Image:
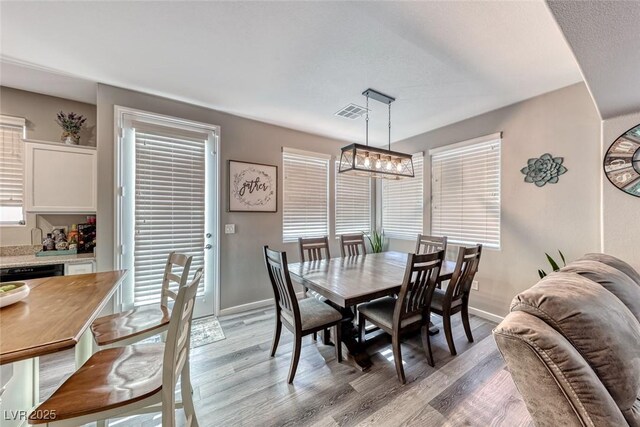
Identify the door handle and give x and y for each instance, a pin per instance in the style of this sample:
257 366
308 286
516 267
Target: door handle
207 246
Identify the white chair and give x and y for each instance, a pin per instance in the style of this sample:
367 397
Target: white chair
125 381
139 323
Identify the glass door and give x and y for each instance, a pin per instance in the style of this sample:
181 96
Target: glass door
168 196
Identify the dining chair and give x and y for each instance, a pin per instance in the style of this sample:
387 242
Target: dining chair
352 245
410 311
302 317
427 244
312 249
142 322
129 380
455 299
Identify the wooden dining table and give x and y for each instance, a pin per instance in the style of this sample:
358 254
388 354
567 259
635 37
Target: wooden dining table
349 281
55 316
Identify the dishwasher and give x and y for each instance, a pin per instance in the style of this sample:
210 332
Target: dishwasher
15 274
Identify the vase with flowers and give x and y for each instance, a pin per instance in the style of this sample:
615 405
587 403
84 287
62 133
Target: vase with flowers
71 125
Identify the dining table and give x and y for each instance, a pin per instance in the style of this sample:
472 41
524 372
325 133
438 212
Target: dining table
55 316
349 281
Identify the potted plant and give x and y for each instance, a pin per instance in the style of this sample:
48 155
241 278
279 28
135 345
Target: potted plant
376 240
71 125
553 263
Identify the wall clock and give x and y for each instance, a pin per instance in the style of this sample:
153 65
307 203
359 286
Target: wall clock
622 162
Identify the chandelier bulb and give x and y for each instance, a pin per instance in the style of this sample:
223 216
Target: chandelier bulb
378 164
399 167
367 162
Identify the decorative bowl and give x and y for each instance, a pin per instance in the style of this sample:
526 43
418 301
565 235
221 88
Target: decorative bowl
10 296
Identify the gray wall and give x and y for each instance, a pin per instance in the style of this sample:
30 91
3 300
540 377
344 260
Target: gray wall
620 211
40 113
535 220
243 276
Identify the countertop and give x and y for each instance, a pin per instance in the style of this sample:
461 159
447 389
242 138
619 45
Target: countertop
25 260
56 313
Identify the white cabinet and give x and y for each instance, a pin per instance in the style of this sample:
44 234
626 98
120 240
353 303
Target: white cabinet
79 268
60 178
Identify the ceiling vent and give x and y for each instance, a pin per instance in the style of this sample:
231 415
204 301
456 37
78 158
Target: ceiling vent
351 111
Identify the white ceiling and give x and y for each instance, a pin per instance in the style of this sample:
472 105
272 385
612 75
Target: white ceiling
297 63
605 37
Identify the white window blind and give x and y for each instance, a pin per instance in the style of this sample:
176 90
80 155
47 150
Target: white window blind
169 204
466 193
353 203
402 204
11 170
306 195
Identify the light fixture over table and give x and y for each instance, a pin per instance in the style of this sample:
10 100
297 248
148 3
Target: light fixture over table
373 162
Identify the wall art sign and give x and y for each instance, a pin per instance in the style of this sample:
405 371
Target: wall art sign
543 170
622 162
253 187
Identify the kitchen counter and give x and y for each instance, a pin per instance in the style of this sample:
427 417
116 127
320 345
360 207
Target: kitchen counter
25 260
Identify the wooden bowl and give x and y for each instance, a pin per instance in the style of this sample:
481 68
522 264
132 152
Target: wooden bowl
20 292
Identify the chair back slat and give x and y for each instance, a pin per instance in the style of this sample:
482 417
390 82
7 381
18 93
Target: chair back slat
428 244
278 270
180 277
176 350
420 279
464 272
352 245
311 248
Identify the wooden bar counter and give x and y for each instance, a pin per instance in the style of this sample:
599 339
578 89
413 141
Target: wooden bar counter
55 316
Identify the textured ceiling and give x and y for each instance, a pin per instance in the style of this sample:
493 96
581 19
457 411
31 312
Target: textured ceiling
605 38
296 63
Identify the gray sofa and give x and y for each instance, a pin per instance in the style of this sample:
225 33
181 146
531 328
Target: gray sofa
572 344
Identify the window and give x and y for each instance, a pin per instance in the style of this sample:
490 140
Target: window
402 204
11 170
353 203
465 185
306 195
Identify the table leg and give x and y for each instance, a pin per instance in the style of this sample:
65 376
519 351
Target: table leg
84 348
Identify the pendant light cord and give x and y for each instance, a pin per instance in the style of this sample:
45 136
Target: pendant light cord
367 122
389 126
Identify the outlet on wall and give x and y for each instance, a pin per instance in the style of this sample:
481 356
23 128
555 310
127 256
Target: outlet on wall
229 228
474 285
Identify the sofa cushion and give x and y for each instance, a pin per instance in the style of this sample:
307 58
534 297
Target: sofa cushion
557 384
615 263
598 325
613 280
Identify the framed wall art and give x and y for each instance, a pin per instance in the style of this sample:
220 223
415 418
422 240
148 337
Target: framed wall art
253 187
622 162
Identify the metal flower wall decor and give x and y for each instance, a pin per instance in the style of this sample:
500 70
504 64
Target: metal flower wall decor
546 169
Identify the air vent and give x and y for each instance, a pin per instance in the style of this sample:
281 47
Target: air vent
351 111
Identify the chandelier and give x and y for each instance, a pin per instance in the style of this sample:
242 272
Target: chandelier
373 162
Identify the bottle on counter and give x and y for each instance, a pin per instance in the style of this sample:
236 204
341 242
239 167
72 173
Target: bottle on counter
73 237
48 244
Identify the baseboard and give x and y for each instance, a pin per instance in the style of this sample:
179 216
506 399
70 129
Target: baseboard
485 315
250 306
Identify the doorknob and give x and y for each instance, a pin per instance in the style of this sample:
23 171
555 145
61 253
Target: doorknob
207 246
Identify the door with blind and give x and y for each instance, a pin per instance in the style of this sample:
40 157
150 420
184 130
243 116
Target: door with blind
168 204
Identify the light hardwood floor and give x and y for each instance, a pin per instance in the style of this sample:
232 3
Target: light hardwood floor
236 383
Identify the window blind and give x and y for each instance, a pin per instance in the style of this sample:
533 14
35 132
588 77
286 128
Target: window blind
306 195
169 204
353 203
402 204
11 170
466 193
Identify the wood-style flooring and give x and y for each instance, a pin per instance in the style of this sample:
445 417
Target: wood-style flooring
236 383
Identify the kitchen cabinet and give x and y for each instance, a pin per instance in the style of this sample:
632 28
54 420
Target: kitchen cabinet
60 178
79 268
